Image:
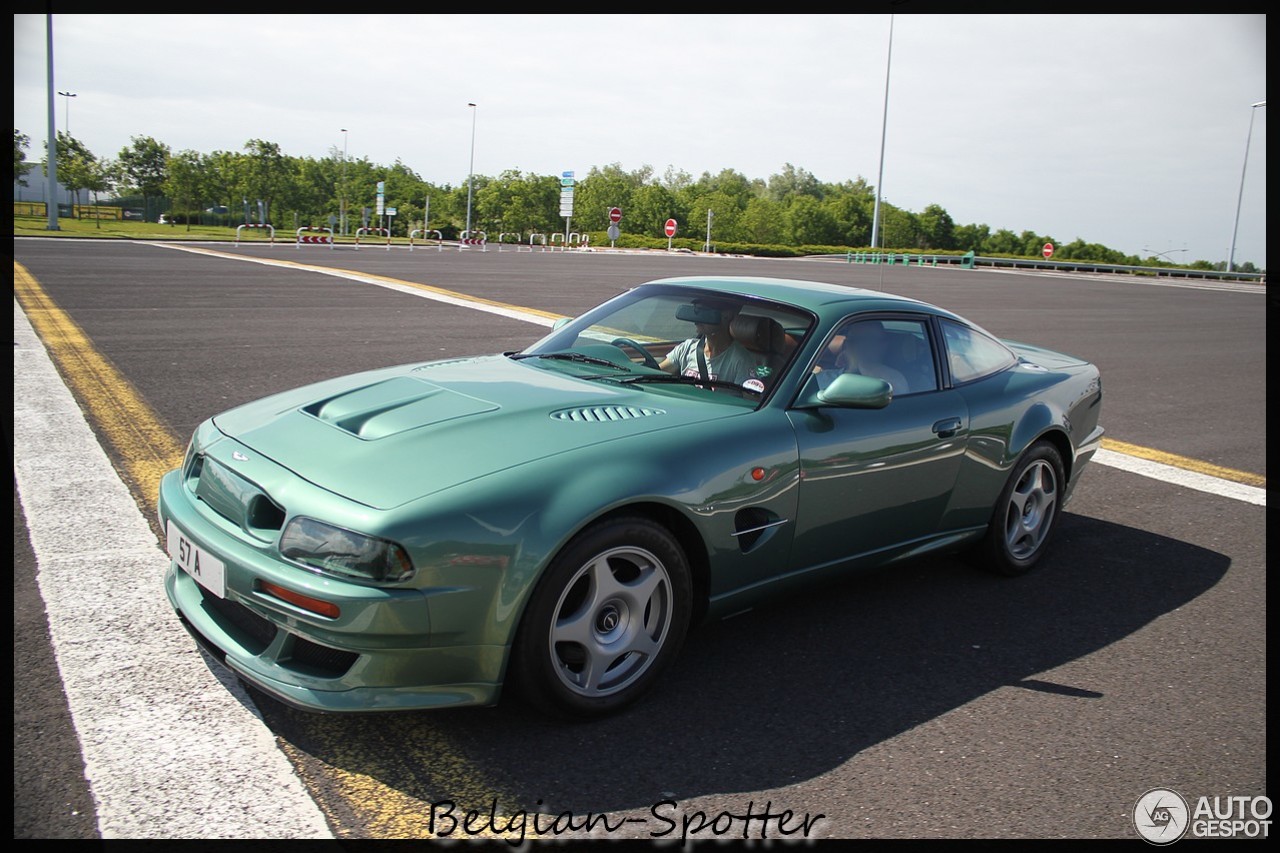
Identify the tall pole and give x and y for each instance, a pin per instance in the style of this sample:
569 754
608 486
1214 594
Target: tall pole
51 206
471 169
67 112
342 202
884 123
1231 256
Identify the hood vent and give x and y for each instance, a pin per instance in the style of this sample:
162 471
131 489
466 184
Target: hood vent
601 414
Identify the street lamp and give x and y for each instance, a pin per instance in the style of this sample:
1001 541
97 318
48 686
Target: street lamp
471 168
1231 256
884 123
68 96
342 202
1163 254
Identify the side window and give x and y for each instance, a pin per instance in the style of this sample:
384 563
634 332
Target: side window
897 351
973 354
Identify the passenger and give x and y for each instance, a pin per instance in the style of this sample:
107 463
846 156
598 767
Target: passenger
865 346
725 358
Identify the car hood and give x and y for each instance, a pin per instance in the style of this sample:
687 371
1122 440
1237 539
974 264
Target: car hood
387 437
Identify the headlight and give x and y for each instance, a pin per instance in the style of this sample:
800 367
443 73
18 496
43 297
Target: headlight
335 551
205 436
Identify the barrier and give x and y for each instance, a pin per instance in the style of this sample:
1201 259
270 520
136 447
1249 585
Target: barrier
386 231
467 240
557 237
248 225
308 238
516 234
439 237
536 236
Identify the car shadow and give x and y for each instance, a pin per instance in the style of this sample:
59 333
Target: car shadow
787 693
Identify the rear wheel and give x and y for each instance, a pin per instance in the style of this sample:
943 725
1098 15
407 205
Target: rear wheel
1026 513
604 622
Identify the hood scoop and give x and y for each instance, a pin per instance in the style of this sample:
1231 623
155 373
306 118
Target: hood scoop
393 406
604 414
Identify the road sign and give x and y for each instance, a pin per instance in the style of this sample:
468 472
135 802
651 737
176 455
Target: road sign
1047 251
670 228
614 232
615 214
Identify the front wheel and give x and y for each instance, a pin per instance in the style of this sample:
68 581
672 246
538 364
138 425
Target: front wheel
605 620
1026 513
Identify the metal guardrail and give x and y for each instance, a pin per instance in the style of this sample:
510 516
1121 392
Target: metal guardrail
971 261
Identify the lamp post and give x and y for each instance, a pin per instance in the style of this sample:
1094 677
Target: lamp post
884 123
67 112
471 168
1231 255
342 202
1164 254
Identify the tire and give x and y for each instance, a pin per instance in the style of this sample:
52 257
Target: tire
1026 513
604 622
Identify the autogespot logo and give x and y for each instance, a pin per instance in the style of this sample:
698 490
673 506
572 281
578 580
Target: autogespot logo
1161 816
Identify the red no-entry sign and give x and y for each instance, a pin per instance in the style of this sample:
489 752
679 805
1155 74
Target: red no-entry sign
615 214
670 228
1047 251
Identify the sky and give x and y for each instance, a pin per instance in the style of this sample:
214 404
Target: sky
1125 130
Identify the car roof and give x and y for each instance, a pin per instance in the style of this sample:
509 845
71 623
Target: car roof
816 296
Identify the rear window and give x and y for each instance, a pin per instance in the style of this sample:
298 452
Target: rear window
973 354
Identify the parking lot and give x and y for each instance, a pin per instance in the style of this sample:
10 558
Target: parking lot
928 700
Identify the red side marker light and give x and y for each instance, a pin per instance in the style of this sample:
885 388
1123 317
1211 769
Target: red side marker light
757 474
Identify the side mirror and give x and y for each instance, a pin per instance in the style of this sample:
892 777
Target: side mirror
561 323
849 391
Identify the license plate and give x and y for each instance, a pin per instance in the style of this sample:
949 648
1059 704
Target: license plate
208 571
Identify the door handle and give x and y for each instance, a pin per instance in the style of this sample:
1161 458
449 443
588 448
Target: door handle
947 427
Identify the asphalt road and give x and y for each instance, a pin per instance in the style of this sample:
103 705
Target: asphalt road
926 701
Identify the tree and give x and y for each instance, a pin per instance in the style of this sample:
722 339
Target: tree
937 228
185 182
20 167
144 165
791 182
267 172
77 167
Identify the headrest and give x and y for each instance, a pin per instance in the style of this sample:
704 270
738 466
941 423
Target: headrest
758 334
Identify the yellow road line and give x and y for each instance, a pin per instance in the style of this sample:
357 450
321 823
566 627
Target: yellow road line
146 449
145 446
1186 463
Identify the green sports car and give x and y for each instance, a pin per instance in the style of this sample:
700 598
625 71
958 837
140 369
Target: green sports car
552 521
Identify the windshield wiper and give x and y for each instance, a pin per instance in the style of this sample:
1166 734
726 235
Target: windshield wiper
567 356
687 380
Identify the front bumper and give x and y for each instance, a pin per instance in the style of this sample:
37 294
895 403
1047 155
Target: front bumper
378 655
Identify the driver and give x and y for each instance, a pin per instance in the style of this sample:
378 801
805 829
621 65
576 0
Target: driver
725 358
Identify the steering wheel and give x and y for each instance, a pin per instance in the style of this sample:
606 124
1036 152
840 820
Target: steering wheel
649 360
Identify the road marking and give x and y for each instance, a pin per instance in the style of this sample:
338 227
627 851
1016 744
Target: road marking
144 443
1186 463
1181 476
204 742
52 442
168 750
439 294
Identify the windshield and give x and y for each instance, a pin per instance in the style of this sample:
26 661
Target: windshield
680 340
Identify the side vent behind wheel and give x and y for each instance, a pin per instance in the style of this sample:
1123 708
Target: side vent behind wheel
753 526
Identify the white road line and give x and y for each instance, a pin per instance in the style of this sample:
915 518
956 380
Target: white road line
462 302
171 749
1182 477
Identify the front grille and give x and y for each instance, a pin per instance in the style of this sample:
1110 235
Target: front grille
250 630
333 663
